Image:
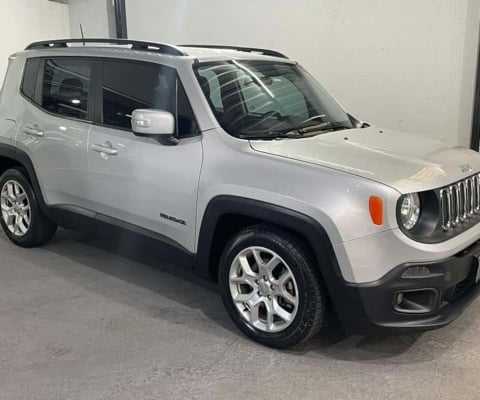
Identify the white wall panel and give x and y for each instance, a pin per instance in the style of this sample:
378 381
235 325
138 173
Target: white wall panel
403 64
26 21
94 15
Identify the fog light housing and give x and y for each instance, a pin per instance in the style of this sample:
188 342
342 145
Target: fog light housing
416 301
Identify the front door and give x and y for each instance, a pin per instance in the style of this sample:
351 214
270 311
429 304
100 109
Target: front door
139 180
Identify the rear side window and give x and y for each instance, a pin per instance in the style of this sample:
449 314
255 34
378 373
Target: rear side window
30 77
66 85
129 85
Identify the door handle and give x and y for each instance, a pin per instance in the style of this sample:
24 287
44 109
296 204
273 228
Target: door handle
33 130
104 149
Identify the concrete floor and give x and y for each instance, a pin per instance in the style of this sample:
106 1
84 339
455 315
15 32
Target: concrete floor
78 321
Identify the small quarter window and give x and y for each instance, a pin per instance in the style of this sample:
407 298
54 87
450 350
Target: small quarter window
66 84
186 122
30 77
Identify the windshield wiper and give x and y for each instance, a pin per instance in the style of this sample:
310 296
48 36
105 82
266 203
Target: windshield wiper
324 126
294 133
271 135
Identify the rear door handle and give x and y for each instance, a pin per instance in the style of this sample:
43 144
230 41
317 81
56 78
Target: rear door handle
99 148
33 130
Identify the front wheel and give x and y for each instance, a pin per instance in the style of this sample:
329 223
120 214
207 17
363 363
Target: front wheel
21 217
271 287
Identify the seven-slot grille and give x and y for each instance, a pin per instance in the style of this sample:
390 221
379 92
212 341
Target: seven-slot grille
459 201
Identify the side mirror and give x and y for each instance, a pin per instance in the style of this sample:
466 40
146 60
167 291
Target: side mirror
150 122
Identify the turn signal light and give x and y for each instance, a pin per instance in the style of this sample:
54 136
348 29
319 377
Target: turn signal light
420 271
375 206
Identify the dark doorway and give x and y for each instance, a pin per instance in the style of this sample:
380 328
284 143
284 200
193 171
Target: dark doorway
475 135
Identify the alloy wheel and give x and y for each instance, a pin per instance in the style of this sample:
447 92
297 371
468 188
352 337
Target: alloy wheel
15 206
263 289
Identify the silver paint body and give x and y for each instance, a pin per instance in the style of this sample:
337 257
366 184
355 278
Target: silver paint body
329 177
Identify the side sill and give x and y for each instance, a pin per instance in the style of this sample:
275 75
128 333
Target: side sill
122 233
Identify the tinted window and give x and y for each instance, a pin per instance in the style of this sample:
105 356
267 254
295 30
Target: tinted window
186 123
30 77
66 84
128 86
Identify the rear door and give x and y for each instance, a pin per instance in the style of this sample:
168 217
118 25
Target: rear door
139 180
54 127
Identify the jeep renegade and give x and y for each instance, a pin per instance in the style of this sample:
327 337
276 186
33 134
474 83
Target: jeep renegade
245 170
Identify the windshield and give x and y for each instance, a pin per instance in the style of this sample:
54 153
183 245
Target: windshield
264 98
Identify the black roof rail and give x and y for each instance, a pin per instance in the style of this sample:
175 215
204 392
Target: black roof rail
135 45
265 52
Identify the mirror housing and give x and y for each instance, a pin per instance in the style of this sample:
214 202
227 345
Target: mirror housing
151 122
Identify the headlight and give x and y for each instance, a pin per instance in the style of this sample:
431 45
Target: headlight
410 210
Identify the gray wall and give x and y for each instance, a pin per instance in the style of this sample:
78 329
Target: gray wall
95 17
408 65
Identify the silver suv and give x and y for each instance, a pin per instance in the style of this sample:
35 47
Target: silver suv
245 170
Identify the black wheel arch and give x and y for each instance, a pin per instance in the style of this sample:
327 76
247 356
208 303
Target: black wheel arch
10 156
242 212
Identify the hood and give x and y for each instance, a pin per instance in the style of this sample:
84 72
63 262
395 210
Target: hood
403 161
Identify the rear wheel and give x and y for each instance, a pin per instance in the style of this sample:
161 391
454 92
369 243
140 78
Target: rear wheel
21 218
271 287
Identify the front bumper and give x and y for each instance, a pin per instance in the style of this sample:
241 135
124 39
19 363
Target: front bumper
427 301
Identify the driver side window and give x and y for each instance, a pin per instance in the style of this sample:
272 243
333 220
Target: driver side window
130 85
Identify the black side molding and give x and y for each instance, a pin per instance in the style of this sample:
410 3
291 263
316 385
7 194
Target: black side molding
129 238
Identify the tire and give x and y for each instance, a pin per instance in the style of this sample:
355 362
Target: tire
302 313
34 228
